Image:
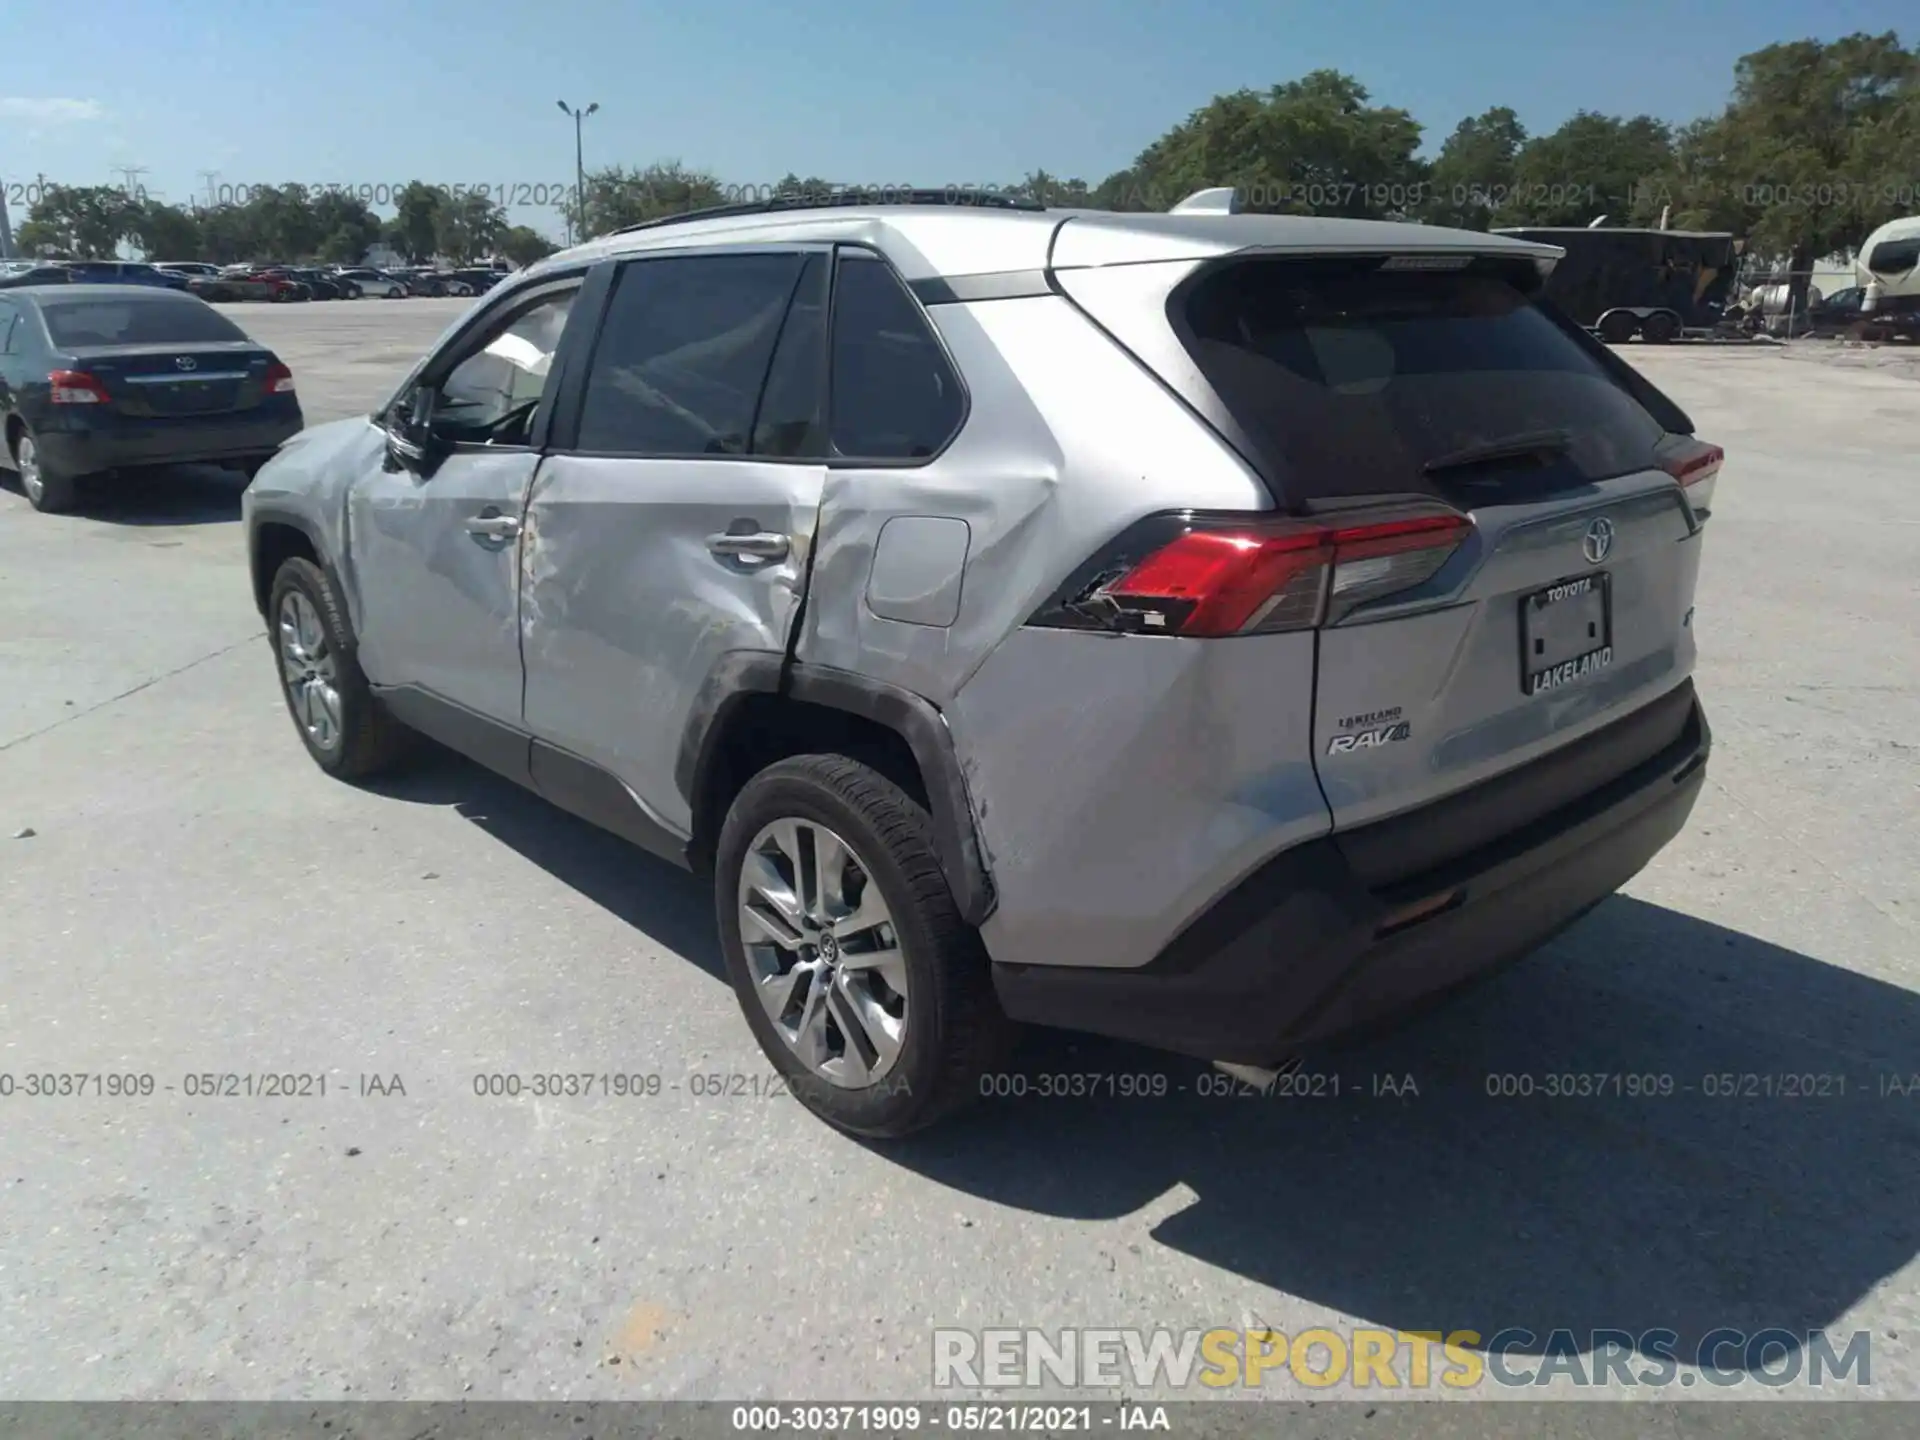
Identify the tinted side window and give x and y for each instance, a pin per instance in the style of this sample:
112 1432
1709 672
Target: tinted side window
895 397
490 396
683 354
792 417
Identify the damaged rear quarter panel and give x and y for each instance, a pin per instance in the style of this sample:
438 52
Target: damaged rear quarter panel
1066 442
1117 784
1122 783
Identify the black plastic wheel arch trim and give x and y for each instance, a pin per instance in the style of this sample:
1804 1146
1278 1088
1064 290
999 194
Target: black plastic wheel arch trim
912 717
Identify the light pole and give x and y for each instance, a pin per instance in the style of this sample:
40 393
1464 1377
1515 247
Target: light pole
579 165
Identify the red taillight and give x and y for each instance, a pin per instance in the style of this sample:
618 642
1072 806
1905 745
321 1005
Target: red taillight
76 387
1695 464
279 379
1257 577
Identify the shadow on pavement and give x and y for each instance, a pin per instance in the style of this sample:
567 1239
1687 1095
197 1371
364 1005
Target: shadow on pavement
1763 1176
660 900
1726 1195
177 495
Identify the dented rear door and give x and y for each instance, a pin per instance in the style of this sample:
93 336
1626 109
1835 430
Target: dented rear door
672 520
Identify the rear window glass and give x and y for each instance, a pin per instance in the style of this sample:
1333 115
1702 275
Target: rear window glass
1355 382
1894 257
159 320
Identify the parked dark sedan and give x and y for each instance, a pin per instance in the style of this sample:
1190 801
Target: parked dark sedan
38 275
113 378
122 272
319 285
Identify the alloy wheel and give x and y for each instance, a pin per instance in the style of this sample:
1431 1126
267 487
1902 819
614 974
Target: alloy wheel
823 952
307 665
26 460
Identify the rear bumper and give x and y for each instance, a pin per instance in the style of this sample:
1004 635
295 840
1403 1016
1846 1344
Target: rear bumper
1306 949
171 440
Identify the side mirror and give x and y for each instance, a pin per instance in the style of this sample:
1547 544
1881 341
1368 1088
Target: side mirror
409 429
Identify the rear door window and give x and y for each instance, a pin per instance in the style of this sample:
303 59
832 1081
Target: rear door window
895 395
683 354
1359 382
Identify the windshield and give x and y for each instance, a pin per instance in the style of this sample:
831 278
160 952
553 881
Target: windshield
163 319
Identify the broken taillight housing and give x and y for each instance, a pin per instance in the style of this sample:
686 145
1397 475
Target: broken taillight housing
1695 464
1201 575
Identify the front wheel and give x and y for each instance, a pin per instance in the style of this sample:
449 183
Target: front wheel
345 728
47 490
857 975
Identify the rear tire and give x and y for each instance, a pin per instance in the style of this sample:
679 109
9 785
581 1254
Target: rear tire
52 492
928 1024
345 728
1659 328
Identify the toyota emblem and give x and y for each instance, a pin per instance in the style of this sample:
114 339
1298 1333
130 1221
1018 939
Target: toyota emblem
1598 541
185 362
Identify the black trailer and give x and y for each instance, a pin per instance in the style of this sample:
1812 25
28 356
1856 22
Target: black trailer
1651 283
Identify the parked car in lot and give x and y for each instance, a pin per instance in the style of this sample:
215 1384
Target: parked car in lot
116 378
1213 631
452 282
246 282
36 275
122 272
312 284
361 281
191 269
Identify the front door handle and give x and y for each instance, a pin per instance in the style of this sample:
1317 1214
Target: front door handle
762 546
490 526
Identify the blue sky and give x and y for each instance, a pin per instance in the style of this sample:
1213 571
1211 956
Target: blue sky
900 92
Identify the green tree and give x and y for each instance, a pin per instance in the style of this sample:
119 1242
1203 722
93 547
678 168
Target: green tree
346 227
283 222
618 196
414 229
1819 145
228 235
1591 166
79 222
524 246
469 225
1473 175
166 232
1311 146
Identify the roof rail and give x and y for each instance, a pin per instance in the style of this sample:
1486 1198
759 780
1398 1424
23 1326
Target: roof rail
856 195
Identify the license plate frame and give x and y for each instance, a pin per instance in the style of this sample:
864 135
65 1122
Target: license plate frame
1553 652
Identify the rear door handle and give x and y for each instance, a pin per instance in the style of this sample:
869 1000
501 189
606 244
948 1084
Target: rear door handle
764 546
490 524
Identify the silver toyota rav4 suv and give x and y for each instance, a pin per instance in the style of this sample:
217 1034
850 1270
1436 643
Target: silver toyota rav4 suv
1210 630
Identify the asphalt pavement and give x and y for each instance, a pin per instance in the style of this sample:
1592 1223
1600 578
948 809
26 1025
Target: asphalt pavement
182 894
